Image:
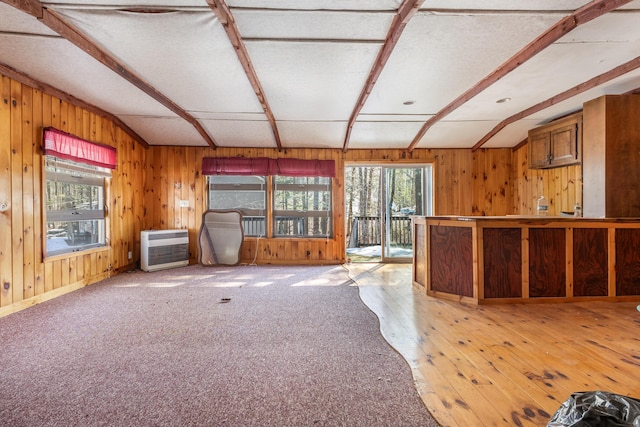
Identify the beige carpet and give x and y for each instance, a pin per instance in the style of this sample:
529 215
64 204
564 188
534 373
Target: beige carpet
206 346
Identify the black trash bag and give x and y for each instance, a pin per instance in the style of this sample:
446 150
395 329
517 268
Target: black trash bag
597 409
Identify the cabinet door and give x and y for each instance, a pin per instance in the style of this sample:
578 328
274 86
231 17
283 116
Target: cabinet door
564 145
539 149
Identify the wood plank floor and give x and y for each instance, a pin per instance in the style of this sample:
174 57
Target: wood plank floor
502 365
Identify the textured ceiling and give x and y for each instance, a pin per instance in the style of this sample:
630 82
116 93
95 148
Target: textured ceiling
348 74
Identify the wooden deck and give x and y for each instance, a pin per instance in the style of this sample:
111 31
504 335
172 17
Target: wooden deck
502 365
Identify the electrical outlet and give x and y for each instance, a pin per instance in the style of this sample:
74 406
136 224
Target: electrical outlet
130 255
184 203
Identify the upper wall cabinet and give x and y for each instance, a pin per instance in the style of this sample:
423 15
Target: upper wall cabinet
558 143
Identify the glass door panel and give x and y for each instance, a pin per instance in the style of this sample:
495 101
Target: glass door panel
380 201
362 213
404 195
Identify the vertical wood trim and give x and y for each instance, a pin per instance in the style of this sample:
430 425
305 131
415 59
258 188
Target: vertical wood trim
17 234
478 261
569 262
38 188
28 236
6 251
612 262
525 262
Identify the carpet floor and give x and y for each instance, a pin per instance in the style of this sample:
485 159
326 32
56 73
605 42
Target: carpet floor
206 346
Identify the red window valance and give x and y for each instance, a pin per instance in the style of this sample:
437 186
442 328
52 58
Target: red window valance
266 166
70 147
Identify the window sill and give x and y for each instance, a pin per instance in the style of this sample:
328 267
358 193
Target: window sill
76 253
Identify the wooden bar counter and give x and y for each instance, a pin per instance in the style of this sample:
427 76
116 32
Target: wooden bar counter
490 260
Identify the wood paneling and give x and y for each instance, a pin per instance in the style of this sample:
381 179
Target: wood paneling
590 261
561 186
463 182
611 156
420 253
547 266
148 184
502 262
26 276
627 262
450 249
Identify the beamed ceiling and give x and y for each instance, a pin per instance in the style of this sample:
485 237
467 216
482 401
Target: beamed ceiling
348 74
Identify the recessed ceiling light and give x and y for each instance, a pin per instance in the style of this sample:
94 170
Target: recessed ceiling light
503 100
408 102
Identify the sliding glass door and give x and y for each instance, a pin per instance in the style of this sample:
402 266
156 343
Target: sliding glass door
380 201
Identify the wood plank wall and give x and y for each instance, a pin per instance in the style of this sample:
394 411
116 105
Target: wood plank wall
466 183
561 186
148 184
26 277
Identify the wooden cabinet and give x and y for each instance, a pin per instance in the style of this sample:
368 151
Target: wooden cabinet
557 143
511 259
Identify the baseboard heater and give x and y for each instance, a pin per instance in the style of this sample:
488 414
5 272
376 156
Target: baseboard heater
162 249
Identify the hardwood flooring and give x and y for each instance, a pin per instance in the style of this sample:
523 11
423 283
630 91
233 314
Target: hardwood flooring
502 365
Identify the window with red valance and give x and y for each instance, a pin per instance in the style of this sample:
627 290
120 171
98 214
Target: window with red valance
75 192
300 190
66 146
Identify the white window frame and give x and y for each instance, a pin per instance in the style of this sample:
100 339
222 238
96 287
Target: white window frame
302 220
74 228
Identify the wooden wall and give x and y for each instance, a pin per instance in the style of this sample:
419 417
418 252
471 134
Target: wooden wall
561 186
26 277
466 184
148 185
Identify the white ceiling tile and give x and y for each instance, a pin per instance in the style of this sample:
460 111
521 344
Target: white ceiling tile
318 4
312 134
187 56
388 134
13 20
312 81
539 5
240 133
165 130
313 25
65 67
449 134
436 59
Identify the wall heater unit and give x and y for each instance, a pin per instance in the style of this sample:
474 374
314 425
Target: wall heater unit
162 249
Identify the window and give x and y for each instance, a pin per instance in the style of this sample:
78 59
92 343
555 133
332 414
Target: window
75 197
302 206
248 194
285 197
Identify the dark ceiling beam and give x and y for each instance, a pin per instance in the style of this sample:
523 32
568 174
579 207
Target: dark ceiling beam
570 93
59 25
581 16
407 9
50 90
223 13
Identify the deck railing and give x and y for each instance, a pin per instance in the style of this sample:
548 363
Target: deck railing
365 231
